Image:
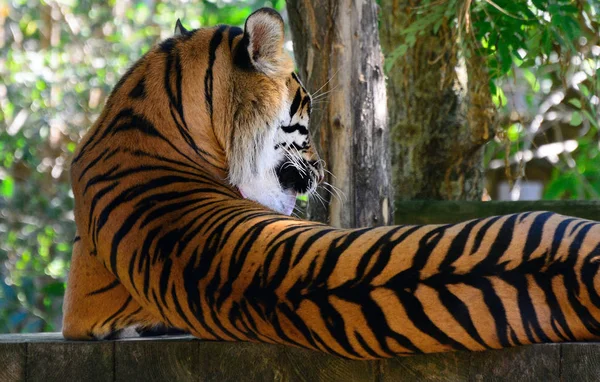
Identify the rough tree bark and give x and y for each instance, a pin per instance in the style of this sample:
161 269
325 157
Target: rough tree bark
336 44
441 113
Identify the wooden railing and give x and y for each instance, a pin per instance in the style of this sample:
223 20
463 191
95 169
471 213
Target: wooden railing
47 357
430 212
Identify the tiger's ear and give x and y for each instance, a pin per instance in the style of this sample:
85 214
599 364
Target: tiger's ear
179 29
265 36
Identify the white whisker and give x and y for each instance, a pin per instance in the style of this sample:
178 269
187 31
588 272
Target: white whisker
320 96
338 193
316 92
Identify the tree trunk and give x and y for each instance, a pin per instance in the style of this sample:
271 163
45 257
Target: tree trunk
439 119
336 44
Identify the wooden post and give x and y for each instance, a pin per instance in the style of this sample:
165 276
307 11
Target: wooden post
336 44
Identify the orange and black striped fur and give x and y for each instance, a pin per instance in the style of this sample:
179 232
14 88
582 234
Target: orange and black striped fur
166 239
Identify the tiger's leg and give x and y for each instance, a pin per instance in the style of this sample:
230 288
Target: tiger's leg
96 305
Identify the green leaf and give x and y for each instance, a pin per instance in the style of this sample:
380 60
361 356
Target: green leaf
576 119
55 289
505 57
575 102
397 53
8 187
584 90
424 22
499 98
532 80
591 119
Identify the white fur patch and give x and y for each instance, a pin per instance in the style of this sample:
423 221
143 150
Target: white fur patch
269 193
262 185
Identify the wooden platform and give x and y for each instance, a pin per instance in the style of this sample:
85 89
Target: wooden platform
436 212
48 358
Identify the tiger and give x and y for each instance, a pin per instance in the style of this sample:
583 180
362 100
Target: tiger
183 190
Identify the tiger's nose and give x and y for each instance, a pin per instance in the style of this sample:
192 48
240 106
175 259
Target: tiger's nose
321 177
320 171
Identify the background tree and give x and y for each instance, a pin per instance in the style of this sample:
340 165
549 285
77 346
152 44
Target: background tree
337 50
441 114
448 60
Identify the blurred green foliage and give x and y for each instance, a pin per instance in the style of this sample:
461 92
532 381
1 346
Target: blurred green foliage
58 61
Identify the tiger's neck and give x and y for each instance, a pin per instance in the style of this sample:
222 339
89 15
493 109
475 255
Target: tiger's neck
175 124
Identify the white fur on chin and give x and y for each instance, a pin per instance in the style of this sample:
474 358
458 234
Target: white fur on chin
257 179
269 193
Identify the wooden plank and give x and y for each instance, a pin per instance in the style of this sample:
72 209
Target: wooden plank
261 362
157 359
219 361
47 357
580 362
309 365
437 212
526 363
69 361
432 367
12 362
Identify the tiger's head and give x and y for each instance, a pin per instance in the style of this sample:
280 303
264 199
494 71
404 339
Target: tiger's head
259 110
223 101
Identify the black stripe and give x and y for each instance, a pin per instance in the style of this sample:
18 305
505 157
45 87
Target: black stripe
125 196
496 309
131 271
527 312
457 247
165 274
297 127
110 286
121 310
482 231
212 56
241 57
122 114
415 312
572 284
160 309
366 346
232 34
460 312
192 275
93 162
130 318
305 101
119 84
499 246
168 45
558 317
378 324
534 236
589 272
295 76
295 103
178 308
139 91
